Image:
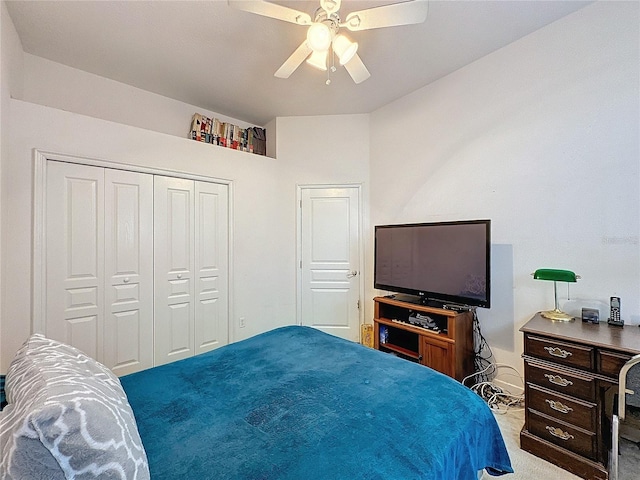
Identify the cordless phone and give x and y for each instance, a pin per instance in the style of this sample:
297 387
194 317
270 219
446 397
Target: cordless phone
614 316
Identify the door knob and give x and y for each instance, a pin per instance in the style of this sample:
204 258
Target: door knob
179 275
352 273
126 280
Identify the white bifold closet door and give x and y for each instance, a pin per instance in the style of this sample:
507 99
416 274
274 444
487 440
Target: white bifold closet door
99 264
191 251
136 265
128 265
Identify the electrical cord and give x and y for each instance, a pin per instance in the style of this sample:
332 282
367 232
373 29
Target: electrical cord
486 371
498 399
483 356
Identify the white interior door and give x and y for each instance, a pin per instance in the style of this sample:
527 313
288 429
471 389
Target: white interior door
330 260
174 265
211 266
128 324
75 256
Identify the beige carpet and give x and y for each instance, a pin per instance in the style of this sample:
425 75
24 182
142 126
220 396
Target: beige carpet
530 467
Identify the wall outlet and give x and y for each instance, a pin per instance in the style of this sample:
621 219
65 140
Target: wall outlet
243 322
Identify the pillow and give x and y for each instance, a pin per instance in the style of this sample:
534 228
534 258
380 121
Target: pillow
67 418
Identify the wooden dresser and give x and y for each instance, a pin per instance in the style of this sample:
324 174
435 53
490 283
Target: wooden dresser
570 369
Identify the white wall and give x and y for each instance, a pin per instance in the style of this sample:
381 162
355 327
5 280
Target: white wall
326 150
48 83
259 277
542 137
264 189
11 67
264 201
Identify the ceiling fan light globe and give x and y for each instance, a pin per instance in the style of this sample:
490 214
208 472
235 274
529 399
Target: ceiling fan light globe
318 60
344 48
319 37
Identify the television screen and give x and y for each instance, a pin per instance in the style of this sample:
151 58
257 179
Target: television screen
446 262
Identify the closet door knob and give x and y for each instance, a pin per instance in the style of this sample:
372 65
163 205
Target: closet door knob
179 275
126 280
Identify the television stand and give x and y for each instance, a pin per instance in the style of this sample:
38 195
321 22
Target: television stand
447 348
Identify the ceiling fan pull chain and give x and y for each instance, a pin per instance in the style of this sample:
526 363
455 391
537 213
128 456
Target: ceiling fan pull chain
332 68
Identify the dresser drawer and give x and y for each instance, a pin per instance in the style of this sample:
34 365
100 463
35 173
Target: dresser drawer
569 354
610 363
580 386
572 438
573 411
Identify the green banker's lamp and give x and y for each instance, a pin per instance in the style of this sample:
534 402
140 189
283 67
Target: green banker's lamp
556 276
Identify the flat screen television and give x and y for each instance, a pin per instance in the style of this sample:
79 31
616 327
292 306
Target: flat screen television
441 263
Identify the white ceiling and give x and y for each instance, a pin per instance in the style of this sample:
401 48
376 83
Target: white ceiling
208 54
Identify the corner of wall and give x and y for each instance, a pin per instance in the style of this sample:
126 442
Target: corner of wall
272 149
11 81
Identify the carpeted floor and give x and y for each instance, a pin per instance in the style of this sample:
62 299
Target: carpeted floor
530 467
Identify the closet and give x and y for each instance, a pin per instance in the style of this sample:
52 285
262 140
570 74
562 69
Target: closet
136 264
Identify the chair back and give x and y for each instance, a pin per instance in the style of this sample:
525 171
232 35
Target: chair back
629 385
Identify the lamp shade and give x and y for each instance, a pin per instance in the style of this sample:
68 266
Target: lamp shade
318 60
344 48
319 37
555 275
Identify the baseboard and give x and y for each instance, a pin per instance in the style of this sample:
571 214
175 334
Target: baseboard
508 387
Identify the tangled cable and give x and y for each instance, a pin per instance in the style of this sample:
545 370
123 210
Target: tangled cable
498 399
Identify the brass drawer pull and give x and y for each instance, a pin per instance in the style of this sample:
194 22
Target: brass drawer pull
558 406
556 432
558 380
558 352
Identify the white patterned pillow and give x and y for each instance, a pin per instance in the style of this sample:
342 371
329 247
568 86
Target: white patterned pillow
67 418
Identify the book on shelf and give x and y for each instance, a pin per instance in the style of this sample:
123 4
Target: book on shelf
225 134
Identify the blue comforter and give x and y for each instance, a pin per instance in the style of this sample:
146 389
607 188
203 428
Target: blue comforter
295 403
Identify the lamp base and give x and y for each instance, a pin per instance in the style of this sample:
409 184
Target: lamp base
557 315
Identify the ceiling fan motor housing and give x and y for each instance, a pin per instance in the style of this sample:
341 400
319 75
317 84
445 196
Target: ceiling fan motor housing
322 32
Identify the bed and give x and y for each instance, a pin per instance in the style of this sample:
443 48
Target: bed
291 403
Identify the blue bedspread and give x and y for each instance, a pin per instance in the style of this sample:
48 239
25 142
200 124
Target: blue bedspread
295 403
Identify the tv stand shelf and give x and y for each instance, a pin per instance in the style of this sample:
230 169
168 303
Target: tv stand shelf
449 351
404 352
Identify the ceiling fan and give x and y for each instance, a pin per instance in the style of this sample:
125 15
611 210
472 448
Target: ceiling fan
322 32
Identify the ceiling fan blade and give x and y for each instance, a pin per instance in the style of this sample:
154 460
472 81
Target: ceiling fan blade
405 13
357 70
272 10
294 61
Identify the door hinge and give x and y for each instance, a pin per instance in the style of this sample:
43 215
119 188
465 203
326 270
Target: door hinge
300 263
358 304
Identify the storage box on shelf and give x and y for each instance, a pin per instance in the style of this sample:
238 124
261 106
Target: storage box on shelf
448 350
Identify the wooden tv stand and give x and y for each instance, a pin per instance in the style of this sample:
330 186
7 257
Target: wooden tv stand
450 351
